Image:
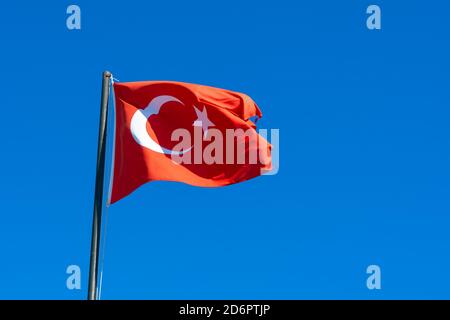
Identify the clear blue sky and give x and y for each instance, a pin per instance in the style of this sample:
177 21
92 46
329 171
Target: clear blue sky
364 124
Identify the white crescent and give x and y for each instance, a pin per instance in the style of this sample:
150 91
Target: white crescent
138 125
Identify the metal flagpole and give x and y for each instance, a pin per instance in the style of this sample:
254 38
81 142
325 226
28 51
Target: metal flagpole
98 201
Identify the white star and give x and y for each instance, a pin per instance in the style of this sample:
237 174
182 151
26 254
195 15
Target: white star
202 120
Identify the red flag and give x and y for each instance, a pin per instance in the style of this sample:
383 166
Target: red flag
174 131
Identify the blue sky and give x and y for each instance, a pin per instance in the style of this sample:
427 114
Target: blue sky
364 173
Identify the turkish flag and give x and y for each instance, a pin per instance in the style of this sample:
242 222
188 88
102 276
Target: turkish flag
184 132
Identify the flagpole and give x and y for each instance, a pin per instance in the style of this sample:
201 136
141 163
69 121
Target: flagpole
98 200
